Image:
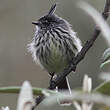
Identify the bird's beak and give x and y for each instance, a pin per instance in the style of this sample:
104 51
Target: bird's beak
35 23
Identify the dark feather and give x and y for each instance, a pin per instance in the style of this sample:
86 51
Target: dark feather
52 9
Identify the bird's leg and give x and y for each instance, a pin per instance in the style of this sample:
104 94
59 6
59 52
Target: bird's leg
52 76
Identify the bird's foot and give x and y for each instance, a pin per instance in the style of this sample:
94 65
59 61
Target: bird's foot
53 76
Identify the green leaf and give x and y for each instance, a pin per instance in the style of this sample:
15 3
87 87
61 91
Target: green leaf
103 88
105 58
15 89
65 96
105 108
105 63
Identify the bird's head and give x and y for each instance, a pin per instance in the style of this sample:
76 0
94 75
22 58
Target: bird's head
50 20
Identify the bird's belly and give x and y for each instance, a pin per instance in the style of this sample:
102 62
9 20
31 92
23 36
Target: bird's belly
55 61
55 64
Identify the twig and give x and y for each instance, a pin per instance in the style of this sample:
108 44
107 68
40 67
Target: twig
79 57
84 50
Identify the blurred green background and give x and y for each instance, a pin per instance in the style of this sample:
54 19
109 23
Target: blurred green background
16 31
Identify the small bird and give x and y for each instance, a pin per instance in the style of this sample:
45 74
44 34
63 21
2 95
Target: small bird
54 43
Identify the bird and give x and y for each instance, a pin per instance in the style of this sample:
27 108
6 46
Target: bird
54 44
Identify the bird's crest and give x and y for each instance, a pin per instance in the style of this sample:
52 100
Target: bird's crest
52 9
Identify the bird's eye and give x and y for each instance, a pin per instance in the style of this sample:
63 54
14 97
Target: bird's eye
45 22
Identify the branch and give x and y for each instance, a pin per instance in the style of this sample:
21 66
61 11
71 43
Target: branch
82 53
79 57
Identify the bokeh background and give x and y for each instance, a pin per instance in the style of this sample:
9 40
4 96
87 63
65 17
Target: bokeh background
16 31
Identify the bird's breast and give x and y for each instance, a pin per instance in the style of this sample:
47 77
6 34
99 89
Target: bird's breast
52 56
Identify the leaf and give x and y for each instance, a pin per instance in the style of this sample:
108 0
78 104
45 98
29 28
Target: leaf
5 108
106 55
25 99
77 96
103 88
98 19
105 58
16 89
105 108
105 63
105 76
